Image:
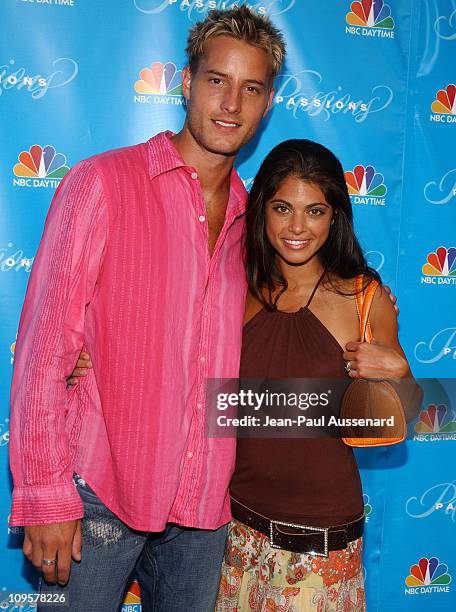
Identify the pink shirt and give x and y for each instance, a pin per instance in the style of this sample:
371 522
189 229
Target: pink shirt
124 271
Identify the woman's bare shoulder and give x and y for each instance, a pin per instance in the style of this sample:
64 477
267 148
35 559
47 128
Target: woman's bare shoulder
346 286
341 287
252 307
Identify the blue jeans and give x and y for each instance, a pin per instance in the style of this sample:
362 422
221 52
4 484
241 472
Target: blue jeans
178 569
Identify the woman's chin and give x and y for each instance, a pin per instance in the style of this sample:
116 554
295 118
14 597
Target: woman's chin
295 258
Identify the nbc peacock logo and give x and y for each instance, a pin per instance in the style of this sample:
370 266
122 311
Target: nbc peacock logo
366 185
370 18
12 349
132 601
40 167
367 507
436 420
444 106
11 531
440 267
428 576
159 84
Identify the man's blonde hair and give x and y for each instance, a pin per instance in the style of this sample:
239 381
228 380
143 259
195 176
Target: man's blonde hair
242 24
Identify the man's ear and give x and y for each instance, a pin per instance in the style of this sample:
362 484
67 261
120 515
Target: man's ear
270 102
186 82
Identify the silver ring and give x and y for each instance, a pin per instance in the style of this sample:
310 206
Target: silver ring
49 561
348 366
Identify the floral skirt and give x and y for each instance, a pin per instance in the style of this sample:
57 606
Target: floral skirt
257 577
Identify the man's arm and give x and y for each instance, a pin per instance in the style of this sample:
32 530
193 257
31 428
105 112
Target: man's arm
50 338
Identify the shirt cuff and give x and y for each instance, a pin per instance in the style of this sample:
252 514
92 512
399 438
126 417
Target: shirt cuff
45 504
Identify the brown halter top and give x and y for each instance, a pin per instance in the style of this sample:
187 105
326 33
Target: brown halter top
299 480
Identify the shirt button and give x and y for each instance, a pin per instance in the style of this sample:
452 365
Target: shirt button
194 175
199 405
202 218
189 454
202 359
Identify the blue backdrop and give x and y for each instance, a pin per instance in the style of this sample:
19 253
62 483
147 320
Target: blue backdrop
375 82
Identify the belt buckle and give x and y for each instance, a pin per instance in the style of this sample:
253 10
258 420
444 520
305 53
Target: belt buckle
323 530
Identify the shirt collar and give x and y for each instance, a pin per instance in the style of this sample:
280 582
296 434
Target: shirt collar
238 193
163 157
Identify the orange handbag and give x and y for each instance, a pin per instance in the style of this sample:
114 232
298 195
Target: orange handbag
371 399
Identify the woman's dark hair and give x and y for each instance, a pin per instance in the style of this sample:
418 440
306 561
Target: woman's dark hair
341 254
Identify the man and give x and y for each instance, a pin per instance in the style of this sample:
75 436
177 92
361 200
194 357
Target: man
141 264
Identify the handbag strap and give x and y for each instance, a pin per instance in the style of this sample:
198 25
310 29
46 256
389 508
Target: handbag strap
364 299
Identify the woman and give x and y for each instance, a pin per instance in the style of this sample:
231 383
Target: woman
301 321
